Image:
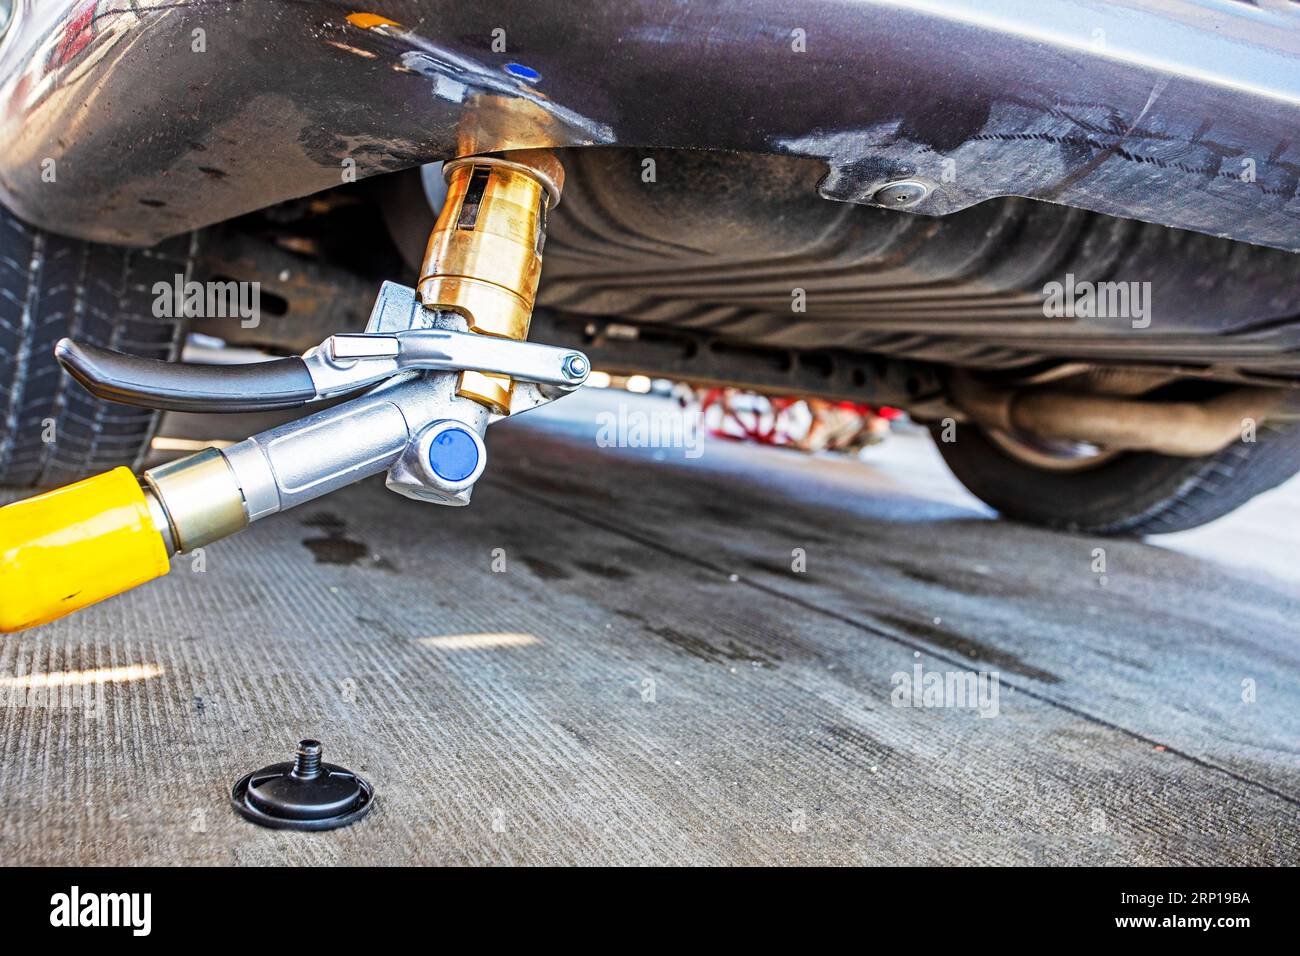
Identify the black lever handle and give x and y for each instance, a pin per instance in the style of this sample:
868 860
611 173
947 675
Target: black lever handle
184 386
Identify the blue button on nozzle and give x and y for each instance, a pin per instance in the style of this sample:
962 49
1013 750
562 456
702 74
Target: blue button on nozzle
453 454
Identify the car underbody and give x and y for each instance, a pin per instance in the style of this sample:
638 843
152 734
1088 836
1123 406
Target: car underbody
728 268
1062 237
751 216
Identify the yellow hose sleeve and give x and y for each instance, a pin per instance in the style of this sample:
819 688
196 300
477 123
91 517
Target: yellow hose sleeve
75 546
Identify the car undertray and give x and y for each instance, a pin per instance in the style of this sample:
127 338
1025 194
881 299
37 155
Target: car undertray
728 245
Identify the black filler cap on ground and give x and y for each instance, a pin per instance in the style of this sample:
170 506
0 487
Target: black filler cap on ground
304 794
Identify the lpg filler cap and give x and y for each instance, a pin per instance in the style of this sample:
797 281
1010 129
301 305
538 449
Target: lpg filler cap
304 794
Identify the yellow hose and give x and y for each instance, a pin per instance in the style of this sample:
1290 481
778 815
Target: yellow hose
75 546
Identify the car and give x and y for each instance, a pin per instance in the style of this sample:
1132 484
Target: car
1063 236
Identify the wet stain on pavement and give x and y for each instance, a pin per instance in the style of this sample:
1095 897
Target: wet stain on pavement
852 744
343 551
610 572
728 516
338 549
968 582
780 570
545 569
965 646
705 651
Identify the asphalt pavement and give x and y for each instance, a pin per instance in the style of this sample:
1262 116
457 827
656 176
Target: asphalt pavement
696 653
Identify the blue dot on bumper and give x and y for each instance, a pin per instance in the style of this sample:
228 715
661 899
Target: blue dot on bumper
453 455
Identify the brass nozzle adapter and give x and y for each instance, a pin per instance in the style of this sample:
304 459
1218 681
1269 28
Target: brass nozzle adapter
485 255
200 497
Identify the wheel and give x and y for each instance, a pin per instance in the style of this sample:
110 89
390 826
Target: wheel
51 430
1082 488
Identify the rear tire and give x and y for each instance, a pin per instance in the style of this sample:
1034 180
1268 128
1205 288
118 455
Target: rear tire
51 430
1132 493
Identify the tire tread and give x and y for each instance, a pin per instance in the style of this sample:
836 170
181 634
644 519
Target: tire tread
51 287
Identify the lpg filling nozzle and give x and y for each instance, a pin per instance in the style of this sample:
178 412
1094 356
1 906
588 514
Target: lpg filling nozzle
432 370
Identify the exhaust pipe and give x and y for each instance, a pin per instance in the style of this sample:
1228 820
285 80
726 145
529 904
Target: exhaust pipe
1182 429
